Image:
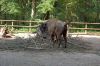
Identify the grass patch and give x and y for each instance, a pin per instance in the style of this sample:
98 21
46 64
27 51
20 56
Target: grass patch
21 30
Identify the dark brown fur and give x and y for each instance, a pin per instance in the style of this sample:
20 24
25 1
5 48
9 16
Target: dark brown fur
55 29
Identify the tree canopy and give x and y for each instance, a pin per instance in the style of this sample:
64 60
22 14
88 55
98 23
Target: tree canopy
73 10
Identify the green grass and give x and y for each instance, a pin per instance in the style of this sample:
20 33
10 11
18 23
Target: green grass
18 30
77 31
23 30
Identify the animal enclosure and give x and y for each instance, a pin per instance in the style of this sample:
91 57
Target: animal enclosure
16 25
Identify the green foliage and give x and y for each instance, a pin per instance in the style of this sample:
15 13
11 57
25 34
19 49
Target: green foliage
24 30
45 5
9 7
73 10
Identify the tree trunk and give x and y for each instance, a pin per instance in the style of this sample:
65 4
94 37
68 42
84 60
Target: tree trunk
97 17
46 15
33 9
98 13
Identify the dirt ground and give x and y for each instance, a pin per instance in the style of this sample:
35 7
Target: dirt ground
47 58
33 55
94 41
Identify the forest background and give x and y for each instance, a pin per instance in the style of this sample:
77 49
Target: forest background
72 10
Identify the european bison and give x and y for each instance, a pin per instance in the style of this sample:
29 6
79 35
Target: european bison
55 29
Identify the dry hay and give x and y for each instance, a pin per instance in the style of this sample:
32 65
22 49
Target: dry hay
36 42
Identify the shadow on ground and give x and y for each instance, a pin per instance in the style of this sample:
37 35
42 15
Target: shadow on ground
35 51
32 41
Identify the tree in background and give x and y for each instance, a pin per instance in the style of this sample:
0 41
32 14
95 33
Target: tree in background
8 9
45 9
72 10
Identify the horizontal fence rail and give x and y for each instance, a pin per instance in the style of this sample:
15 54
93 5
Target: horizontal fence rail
86 28
16 24
34 24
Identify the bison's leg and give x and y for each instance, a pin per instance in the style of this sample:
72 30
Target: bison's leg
58 39
65 38
53 40
59 42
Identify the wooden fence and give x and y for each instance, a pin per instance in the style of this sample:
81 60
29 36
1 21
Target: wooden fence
86 27
16 24
33 24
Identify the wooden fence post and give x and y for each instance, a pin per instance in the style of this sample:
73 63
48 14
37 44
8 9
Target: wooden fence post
85 28
1 22
12 26
30 24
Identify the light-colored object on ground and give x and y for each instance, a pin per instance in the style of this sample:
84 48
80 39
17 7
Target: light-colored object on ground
4 32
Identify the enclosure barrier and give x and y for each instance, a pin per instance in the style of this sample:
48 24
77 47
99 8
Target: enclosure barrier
86 28
16 24
34 24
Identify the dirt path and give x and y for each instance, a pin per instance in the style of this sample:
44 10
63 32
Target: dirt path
48 58
93 40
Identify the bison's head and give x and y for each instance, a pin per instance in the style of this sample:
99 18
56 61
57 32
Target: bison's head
42 30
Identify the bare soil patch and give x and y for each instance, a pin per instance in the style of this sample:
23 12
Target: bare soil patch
31 50
48 58
31 41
